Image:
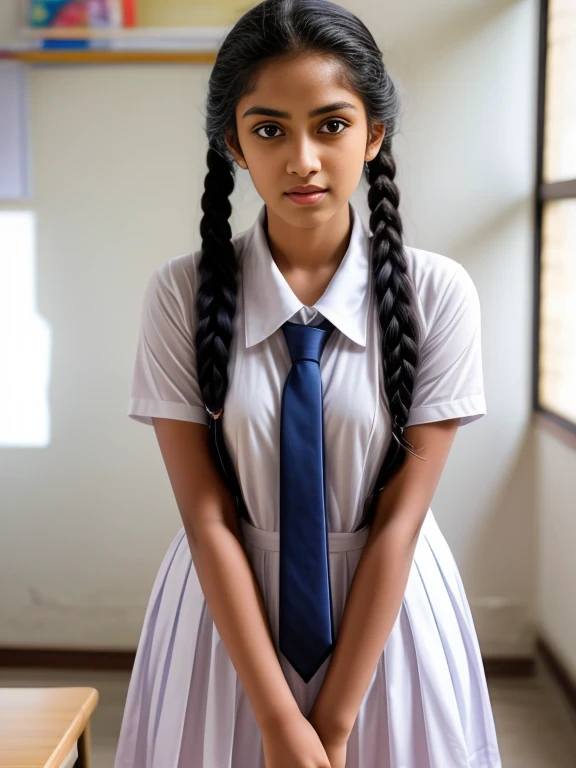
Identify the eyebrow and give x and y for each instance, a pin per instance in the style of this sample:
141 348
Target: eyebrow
287 116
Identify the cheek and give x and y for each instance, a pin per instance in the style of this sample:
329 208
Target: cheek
263 173
346 154
259 158
341 159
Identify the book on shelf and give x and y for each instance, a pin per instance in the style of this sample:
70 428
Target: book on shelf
85 14
112 25
78 15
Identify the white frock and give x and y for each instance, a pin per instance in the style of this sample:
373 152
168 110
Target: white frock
427 705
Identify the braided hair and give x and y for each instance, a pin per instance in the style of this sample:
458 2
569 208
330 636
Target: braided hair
271 29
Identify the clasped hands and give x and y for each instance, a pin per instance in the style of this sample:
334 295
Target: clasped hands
291 740
334 737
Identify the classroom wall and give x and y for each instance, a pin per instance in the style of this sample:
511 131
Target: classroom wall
556 535
118 158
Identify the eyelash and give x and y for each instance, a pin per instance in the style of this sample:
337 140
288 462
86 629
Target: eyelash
268 138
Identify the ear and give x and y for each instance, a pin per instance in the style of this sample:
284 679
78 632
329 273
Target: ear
375 140
235 150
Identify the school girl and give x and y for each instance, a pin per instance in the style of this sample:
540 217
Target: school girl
305 379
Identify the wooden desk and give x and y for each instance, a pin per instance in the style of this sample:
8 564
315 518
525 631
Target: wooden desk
40 726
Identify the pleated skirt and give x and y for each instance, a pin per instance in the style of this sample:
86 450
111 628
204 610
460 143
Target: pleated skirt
427 704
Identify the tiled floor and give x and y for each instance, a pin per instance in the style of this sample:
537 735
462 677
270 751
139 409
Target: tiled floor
536 728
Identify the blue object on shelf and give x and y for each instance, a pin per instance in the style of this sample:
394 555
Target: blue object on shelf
66 44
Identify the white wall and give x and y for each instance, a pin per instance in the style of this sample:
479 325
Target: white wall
118 156
556 492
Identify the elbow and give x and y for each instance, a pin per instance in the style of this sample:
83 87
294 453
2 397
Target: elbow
203 530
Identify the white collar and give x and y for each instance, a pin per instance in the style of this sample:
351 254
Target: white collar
269 301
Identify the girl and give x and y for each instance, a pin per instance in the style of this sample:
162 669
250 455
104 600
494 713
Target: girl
238 664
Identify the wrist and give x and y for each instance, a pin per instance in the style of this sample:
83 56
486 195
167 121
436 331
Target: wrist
278 715
331 725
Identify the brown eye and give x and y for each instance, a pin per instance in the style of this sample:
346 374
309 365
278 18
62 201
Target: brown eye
268 125
272 127
336 122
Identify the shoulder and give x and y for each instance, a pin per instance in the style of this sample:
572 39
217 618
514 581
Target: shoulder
180 275
442 284
173 284
432 273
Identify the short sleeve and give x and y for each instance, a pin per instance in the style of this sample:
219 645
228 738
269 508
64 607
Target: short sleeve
164 380
449 378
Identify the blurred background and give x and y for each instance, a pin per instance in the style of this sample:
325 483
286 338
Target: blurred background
102 161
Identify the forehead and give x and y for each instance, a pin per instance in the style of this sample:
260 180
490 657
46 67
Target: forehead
299 83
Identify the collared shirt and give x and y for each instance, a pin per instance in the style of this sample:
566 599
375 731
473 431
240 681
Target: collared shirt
449 381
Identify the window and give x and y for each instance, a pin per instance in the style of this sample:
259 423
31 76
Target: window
25 338
555 241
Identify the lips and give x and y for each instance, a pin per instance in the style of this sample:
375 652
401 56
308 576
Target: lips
305 191
306 198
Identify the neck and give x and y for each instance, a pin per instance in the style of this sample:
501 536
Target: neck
308 257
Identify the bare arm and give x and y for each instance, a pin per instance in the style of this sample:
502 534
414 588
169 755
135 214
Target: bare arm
210 520
380 580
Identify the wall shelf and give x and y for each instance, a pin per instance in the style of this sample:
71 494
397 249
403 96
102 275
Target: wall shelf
168 44
166 34
39 56
127 34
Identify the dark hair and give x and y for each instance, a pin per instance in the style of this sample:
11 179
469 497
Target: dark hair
271 29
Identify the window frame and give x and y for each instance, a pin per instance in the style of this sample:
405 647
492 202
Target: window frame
544 192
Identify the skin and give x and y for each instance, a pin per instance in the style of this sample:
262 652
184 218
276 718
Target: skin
307 242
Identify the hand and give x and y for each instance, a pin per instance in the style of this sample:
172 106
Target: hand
334 740
336 754
292 742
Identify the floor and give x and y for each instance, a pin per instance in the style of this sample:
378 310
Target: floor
536 728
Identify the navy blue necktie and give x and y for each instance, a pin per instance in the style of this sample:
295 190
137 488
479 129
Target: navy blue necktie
305 618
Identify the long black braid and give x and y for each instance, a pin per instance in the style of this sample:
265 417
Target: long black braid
396 307
216 295
271 29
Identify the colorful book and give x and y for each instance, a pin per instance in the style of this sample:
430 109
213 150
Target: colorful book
129 13
76 13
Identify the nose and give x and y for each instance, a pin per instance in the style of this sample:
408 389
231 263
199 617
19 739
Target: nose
303 159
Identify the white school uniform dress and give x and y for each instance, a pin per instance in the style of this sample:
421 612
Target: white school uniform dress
427 705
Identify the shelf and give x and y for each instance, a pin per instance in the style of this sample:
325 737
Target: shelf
84 56
188 45
131 33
